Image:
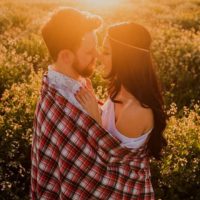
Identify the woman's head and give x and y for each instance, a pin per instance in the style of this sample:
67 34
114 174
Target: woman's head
122 42
128 63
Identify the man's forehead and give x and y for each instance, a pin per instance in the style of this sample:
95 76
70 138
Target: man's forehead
89 39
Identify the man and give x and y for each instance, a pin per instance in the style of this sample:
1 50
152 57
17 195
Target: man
72 43
72 156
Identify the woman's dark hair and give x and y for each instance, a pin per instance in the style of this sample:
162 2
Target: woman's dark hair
132 67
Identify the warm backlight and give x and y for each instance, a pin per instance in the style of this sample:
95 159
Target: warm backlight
103 3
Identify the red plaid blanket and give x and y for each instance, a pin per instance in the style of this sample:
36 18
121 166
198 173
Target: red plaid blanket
74 158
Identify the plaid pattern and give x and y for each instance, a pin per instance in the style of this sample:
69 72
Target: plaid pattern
74 158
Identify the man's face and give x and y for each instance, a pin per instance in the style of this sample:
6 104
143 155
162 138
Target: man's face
85 56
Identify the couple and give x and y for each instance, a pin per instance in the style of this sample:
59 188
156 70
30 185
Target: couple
82 149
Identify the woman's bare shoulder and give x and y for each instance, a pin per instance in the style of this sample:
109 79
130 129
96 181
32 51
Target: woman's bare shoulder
140 114
135 120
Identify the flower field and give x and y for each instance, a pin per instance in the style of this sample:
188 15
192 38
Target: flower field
175 29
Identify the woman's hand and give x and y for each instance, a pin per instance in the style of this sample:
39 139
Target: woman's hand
89 86
86 97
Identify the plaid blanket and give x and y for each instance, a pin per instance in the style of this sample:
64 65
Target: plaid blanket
75 158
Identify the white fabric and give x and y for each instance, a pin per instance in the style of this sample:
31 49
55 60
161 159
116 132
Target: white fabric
65 85
108 122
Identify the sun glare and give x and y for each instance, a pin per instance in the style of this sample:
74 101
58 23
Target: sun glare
102 3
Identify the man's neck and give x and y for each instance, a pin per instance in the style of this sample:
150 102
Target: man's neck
67 71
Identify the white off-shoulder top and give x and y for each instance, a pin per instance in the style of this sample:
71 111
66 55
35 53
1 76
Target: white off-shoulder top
108 123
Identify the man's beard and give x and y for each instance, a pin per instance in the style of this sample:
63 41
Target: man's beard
87 71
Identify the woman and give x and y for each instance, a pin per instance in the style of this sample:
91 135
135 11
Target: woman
134 110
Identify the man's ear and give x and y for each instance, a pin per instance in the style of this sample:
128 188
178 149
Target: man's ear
66 56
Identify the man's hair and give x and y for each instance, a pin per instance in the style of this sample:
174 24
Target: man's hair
66 28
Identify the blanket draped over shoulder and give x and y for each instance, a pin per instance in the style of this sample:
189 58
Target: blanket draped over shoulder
73 157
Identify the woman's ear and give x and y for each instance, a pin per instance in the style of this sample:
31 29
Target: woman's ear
66 57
